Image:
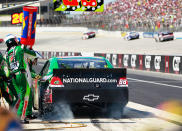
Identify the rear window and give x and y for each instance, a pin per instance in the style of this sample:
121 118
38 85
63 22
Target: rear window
167 33
81 63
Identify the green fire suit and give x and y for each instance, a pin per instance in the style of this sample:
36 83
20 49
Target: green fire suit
10 95
30 101
3 84
17 58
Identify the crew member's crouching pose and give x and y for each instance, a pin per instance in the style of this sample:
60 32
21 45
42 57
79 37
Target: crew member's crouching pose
3 79
17 59
7 89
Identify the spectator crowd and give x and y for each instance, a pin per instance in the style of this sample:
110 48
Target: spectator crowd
122 15
139 14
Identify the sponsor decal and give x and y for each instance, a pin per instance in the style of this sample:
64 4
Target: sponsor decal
108 56
125 60
17 18
79 5
56 82
176 62
114 57
91 97
70 54
157 61
89 80
147 62
133 61
123 82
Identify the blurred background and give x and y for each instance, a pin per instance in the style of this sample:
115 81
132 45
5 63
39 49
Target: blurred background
118 15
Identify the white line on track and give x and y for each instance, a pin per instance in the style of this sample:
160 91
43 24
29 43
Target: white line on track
156 83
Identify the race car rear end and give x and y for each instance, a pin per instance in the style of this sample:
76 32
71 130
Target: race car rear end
88 35
132 35
93 88
164 36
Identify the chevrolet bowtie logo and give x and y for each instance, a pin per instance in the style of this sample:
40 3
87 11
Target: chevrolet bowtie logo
91 97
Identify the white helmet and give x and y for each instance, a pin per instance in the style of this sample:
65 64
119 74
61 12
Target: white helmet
11 41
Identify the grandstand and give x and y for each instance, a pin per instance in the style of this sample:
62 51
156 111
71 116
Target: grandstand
122 15
139 15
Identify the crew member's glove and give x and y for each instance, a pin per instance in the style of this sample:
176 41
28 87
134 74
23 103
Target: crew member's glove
37 77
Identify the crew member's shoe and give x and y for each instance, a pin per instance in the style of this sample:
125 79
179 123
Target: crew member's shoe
25 121
31 117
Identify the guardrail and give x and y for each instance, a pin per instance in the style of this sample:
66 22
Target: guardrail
157 63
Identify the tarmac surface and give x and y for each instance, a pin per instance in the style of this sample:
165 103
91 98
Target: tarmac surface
71 41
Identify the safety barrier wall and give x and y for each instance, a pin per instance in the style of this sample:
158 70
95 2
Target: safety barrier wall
157 63
177 35
47 29
148 34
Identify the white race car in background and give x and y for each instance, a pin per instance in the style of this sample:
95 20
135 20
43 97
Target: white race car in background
164 36
132 35
88 35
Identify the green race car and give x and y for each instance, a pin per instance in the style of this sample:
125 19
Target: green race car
81 82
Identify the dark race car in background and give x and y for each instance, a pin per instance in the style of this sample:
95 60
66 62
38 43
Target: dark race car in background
164 36
132 35
82 82
88 35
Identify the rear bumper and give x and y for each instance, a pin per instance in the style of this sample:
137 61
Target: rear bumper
118 95
168 38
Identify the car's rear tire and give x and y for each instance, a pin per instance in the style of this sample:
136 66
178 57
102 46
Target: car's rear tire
41 94
44 107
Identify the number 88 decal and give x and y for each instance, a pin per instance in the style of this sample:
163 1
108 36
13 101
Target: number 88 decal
79 5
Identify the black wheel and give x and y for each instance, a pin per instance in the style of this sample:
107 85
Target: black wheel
44 107
41 100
